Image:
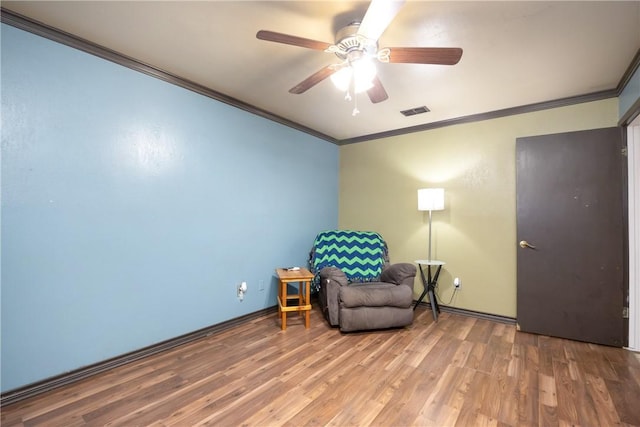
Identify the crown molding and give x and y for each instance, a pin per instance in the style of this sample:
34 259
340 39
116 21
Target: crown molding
35 27
54 34
563 102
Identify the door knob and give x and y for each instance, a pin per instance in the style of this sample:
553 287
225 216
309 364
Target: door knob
524 244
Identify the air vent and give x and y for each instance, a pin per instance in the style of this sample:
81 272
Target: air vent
414 111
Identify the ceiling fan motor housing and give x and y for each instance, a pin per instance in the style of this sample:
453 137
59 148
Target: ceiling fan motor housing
352 46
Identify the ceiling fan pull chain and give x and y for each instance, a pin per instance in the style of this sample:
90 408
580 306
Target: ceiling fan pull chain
355 111
355 106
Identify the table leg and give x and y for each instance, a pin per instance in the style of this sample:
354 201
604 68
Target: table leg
425 285
307 301
434 283
422 295
283 299
429 283
300 295
434 305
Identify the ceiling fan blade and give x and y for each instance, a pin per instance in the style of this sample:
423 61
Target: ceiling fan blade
425 55
272 36
313 79
377 92
378 17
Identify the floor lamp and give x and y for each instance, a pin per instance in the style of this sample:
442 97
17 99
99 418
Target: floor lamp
430 199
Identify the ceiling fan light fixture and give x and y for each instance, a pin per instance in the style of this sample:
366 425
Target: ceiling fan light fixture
361 72
364 71
342 78
362 86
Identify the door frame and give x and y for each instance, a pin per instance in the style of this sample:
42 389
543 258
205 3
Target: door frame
633 153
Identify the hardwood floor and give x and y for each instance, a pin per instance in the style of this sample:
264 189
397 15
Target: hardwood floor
461 371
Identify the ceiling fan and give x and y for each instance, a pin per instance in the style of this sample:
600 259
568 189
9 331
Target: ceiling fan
356 46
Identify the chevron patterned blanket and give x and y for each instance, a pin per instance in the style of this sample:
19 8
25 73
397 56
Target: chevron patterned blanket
360 254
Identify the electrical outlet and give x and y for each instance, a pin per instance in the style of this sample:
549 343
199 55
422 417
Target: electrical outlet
242 288
457 284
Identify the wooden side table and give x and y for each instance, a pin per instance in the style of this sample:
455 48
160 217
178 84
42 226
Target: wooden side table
303 277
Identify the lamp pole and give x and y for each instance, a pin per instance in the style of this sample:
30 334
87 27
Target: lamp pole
429 258
430 199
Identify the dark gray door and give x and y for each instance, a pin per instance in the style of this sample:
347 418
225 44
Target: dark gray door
571 226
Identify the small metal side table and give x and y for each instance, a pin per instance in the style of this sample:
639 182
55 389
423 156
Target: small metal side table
303 277
430 282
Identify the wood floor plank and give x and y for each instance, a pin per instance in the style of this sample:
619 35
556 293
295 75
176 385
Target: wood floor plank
491 401
478 420
565 393
547 388
587 408
356 412
462 354
515 366
548 416
456 392
461 371
545 355
526 338
527 406
473 398
476 355
597 388
125 405
411 390
508 413
425 343
84 389
463 326
447 397
440 355
625 395
282 409
480 332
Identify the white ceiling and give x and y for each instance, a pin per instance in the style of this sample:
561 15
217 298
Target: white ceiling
515 53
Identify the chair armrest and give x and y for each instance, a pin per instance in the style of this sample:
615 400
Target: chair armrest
331 280
401 273
334 274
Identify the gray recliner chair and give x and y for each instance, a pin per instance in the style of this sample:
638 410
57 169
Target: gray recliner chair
358 289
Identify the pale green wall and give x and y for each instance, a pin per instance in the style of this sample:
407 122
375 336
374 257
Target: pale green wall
475 163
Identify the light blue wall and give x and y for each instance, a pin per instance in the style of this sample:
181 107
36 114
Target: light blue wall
131 208
630 94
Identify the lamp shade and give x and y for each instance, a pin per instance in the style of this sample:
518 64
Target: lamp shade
431 199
